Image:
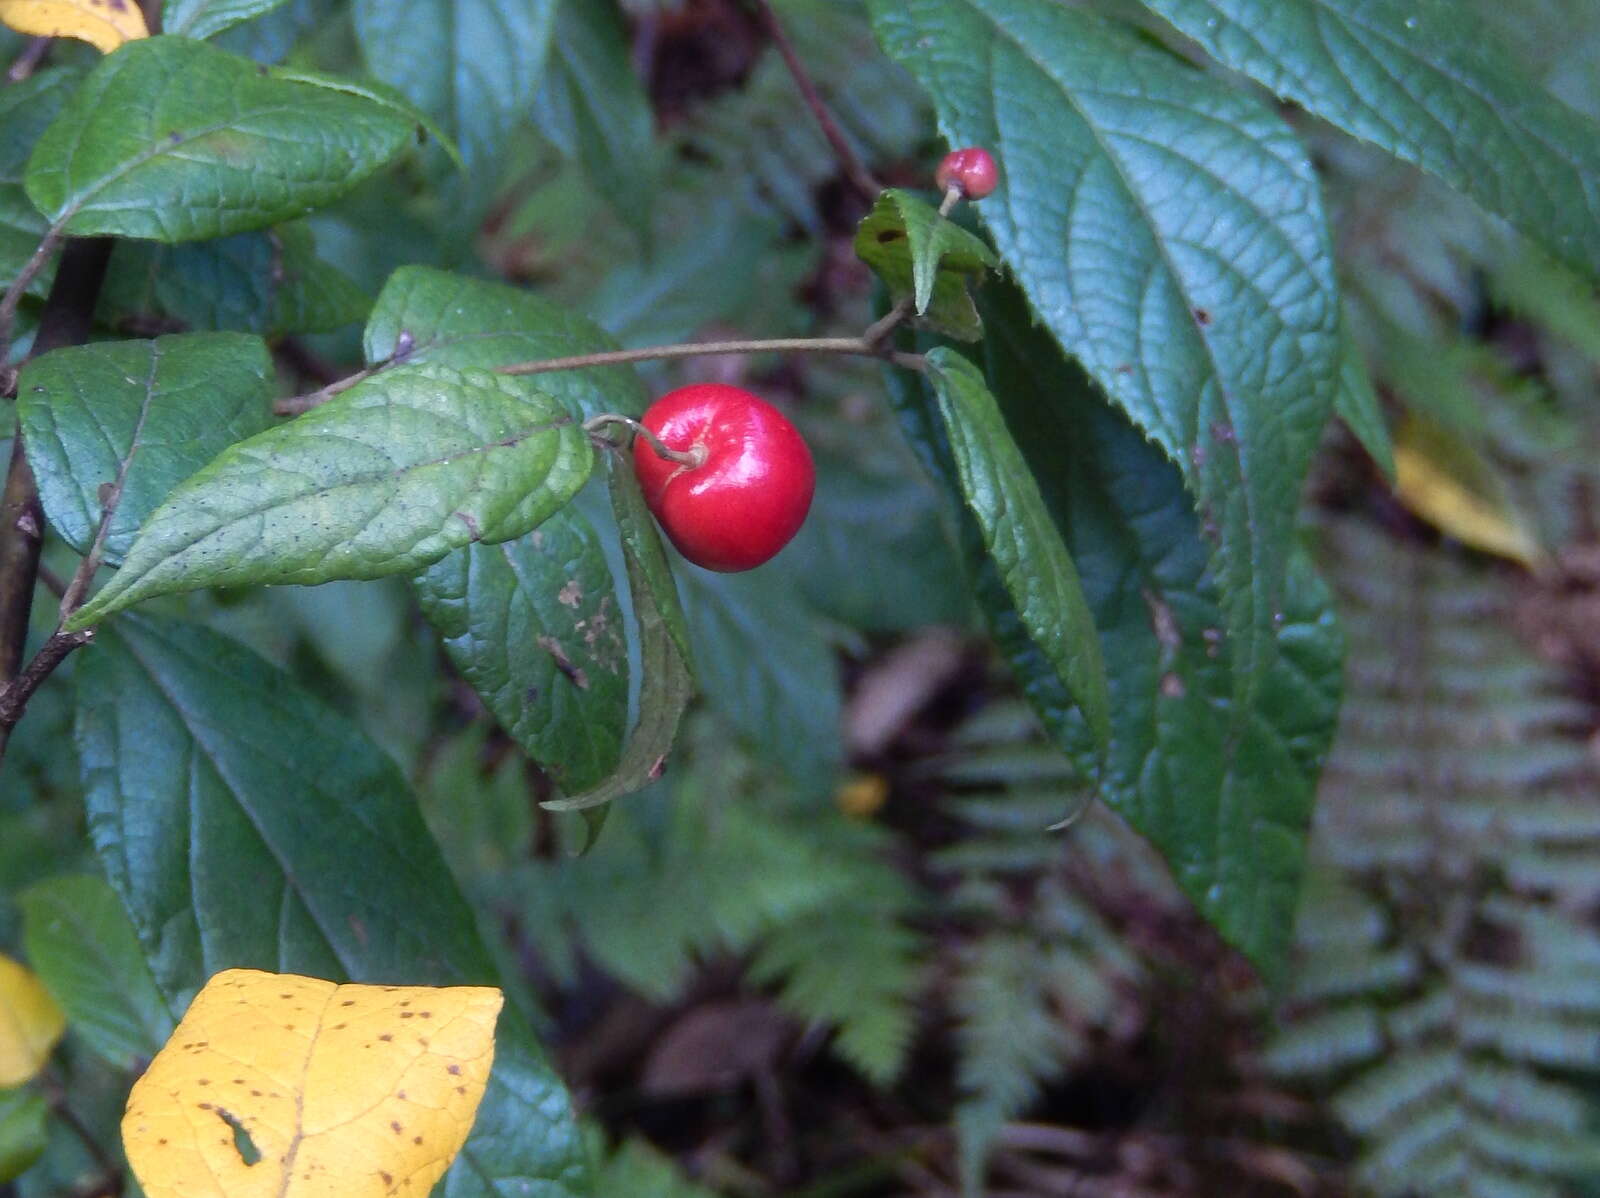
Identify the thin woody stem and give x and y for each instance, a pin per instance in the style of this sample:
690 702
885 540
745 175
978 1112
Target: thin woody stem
860 177
859 346
14 293
295 405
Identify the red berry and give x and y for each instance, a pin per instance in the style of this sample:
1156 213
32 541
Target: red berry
748 497
972 170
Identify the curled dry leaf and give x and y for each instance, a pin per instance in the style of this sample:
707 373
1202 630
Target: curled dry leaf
30 1024
104 24
294 1087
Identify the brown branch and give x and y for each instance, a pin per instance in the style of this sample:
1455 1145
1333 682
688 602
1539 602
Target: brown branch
67 320
860 177
110 1183
859 346
871 345
12 299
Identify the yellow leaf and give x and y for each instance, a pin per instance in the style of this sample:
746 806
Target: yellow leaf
30 1024
104 24
863 796
277 1086
1451 485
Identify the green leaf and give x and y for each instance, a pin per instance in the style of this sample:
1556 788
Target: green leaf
1429 83
174 140
1019 535
388 476
22 1131
270 283
535 627
147 413
1357 404
640 1171
1168 230
245 824
1229 811
80 942
664 663
768 669
205 18
594 107
926 258
875 552
462 322
26 109
473 65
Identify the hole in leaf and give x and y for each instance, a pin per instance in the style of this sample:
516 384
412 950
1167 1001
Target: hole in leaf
242 1143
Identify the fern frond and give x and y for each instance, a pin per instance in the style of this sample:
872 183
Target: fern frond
1445 999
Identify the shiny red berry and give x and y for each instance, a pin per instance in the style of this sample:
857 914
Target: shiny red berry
751 488
972 170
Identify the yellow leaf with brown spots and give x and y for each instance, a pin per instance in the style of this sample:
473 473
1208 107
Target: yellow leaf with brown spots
104 24
30 1024
277 1086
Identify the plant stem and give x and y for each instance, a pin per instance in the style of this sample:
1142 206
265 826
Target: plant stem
13 296
111 1179
297 404
870 345
68 319
860 178
859 346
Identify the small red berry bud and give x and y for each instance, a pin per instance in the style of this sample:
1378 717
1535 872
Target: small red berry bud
972 170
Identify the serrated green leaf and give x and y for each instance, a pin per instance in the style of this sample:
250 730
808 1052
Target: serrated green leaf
172 140
270 283
147 413
926 258
667 679
1021 539
81 944
206 18
535 627
22 1131
245 824
386 477
472 65
1169 232
26 110
1232 823
450 319
1357 404
593 106
1428 82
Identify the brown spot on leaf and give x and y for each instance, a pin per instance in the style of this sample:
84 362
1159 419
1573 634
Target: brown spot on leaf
1202 317
570 595
569 671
